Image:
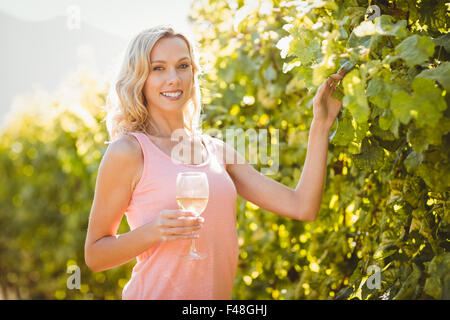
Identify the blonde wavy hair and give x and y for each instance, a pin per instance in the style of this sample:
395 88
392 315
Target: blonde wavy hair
126 105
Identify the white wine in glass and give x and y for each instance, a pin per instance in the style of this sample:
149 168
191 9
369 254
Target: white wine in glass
192 193
196 205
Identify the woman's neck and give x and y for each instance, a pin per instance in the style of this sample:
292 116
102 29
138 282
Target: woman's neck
159 133
164 125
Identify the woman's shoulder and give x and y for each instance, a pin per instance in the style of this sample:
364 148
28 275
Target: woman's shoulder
125 153
124 150
125 145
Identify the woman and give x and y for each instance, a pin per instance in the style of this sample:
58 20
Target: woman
157 95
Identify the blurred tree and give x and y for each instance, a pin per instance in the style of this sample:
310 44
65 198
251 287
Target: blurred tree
49 157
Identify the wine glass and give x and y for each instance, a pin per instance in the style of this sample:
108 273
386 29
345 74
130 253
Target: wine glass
192 193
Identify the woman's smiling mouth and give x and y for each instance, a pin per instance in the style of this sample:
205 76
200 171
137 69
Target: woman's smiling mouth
172 95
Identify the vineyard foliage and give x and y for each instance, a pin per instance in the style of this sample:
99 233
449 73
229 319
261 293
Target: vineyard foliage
386 199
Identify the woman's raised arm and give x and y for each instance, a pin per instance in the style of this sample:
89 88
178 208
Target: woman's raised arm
303 203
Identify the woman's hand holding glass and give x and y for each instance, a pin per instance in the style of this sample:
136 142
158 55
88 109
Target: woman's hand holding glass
177 224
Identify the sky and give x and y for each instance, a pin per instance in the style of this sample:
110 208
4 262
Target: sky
121 17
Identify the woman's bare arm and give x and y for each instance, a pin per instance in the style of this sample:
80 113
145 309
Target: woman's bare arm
119 171
114 187
303 202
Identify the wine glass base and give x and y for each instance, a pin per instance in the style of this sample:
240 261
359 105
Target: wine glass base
194 256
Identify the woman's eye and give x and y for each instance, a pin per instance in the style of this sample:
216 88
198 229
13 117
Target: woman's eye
183 66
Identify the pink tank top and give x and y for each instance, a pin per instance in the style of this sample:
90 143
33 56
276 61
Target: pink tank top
159 273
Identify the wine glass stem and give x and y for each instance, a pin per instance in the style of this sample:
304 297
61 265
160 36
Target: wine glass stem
193 249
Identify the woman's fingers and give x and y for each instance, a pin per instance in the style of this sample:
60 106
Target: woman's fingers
178 224
167 238
342 72
177 218
186 230
323 87
338 76
174 214
183 222
329 86
180 230
322 91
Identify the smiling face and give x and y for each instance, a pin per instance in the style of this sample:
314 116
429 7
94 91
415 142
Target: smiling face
171 72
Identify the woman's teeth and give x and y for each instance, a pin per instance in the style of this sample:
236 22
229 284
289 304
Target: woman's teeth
173 95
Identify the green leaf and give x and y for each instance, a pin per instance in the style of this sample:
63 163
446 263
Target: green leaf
402 106
410 284
440 74
346 65
433 287
443 41
306 46
438 269
295 85
435 134
320 73
425 104
366 28
415 49
378 92
371 157
439 265
413 191
386 119
384 26
412 161
358 43
385 250
344 293
346 132
384 134
428 101
417 139
395 127
270 74
436 177
355 96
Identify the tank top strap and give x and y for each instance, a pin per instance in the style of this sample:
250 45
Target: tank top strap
144 143
215 152
149 156
207 142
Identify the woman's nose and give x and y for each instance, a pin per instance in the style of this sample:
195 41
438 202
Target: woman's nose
173 76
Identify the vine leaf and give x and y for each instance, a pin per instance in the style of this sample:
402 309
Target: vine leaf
371 157
440 74
415 49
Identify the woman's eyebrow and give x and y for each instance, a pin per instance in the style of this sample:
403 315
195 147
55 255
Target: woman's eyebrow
162 61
